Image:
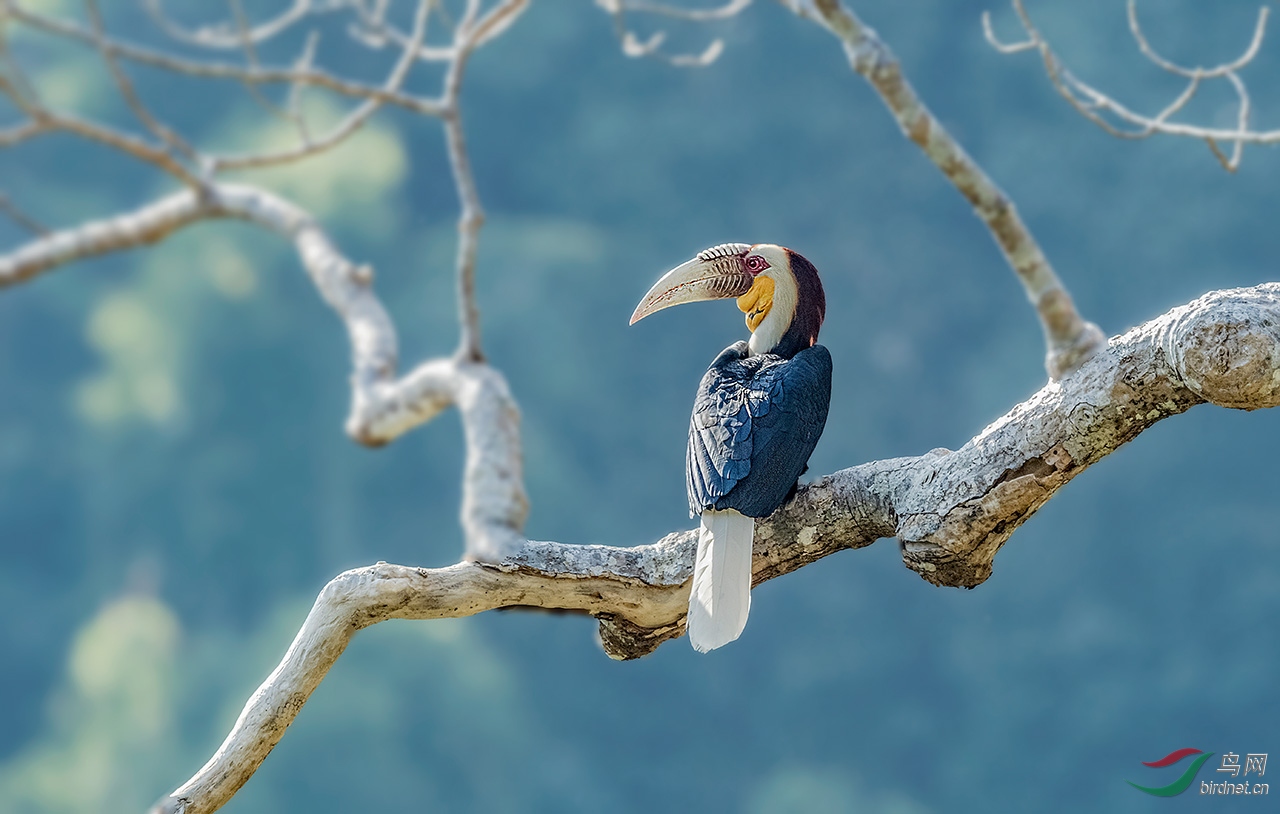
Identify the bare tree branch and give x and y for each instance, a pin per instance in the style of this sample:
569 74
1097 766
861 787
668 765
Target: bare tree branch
1070 338
383 407
352 122
251 75
291 113
11 210
127 231
730 9
1122 121
229 37
22 93
45 120
244 33
375 32
951 511
161 131
293 105
1225 69
18 133
122 141
17 86
634 46
470 35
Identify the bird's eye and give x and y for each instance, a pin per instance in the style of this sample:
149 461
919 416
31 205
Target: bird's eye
756 264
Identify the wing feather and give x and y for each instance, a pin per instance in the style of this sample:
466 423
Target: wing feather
756 421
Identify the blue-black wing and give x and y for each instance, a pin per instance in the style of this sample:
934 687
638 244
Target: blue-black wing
756 420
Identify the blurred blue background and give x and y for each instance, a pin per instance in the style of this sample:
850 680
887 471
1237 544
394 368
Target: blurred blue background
175 486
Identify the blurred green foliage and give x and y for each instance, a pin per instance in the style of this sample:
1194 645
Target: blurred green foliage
175 486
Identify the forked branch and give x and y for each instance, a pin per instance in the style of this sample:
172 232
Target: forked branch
1122 121
951 512
651 47
384 404
1071 340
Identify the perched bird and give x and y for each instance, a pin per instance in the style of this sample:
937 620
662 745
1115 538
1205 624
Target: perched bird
758 414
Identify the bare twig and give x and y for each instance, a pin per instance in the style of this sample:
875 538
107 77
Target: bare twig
229 38
352 122
470 35
1250 52
952 512
260 75
383 407
492 25
174 142
293 106
730 9
250 51
244 34
1122 121
120 140
16 85
998 44
18 133
11 210
22 93
373 31
1070 338
634 46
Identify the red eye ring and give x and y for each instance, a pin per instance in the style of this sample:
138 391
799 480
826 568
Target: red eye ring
756 264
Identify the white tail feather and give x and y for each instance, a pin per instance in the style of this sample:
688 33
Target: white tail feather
721 595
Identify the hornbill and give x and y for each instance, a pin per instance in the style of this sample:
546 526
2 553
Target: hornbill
756 418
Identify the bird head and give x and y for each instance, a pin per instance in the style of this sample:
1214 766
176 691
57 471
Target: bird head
776 288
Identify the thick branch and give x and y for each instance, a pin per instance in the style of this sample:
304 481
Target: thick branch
1071 340
138 228
383 407
951 511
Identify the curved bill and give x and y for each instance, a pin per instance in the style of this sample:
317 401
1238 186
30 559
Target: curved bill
715 274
